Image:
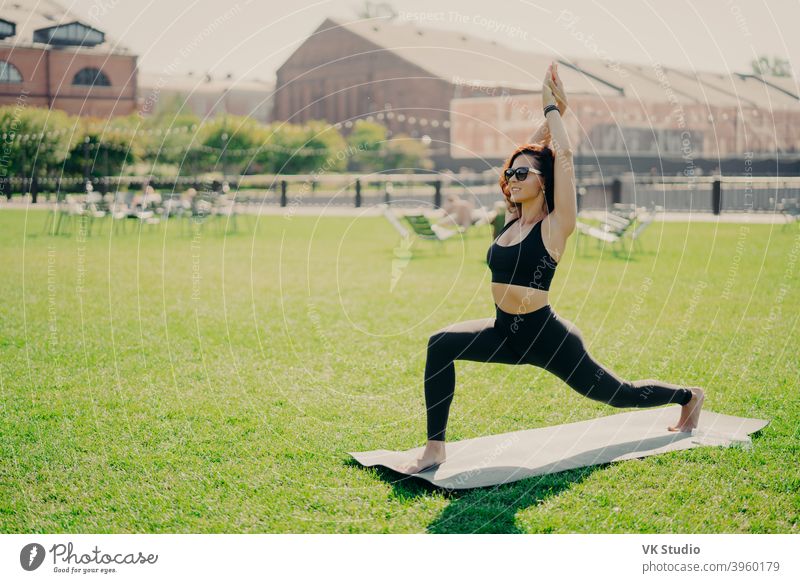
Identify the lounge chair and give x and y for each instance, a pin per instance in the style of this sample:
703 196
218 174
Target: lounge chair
421 227
424 229
643 221
392 218
616 232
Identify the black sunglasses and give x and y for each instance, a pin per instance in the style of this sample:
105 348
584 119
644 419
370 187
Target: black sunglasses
521 172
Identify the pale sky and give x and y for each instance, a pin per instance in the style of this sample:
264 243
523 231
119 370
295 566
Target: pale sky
251 38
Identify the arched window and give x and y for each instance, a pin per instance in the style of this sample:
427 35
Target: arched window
9 73
92 77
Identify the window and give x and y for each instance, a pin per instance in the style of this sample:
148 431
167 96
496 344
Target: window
7 29
9 73
92 77
69 34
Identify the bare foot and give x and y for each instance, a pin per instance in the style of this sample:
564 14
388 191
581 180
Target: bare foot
433 455
690 412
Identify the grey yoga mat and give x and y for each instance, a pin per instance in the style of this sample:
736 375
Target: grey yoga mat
508 457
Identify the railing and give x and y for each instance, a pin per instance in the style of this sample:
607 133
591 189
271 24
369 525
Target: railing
699 194
711 193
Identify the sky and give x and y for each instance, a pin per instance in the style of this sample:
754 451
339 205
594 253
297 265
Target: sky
250 39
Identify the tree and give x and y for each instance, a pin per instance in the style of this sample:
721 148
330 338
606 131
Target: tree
167 139
406 153
228 143
167 135
316 147
35 141
777 67
367 143
100 149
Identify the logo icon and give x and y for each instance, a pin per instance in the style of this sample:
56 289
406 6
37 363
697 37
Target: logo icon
31 556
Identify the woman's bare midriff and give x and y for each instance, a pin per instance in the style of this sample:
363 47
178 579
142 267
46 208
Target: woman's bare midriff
518 299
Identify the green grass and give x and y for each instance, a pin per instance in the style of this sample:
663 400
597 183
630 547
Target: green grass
154 401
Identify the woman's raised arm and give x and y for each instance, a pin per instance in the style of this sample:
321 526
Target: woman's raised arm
565 213
542 133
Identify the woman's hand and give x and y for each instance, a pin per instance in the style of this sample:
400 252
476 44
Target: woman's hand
548 98
557 88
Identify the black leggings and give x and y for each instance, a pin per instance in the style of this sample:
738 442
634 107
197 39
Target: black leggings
541 338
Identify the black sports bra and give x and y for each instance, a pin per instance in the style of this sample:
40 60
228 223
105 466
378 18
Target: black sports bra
527 263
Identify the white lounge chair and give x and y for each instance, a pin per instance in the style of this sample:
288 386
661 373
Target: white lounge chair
616 236
392 218
421 227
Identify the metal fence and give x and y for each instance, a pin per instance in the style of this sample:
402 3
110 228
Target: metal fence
711 193
699 194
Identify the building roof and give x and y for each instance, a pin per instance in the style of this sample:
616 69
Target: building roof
788 85
456 56
33 15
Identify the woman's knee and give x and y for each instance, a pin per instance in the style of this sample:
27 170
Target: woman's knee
571 350
438 338
456 336
575 335
440 343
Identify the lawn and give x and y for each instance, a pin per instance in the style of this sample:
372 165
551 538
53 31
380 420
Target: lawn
167 381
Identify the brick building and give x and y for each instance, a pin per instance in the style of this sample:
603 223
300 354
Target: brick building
644 112
401 75
477 99
51 59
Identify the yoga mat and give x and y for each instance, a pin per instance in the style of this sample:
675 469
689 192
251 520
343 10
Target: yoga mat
508 457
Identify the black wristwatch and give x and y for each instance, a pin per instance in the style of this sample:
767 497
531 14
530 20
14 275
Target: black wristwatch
550 108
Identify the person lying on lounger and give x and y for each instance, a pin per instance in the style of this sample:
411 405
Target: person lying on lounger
462 213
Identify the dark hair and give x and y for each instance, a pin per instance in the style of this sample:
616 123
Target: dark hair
544 159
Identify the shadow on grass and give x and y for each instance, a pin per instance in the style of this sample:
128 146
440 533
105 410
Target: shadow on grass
490 510
493 510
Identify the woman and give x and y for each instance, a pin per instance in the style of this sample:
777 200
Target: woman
539 186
